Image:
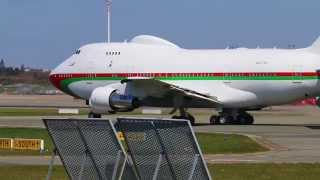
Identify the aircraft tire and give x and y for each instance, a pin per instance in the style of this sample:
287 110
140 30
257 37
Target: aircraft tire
245 119
250 119
226 119
94 115
217 120
176 117
242 119
191 119
213 119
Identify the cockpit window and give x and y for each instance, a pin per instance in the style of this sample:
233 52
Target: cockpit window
78 51
71 64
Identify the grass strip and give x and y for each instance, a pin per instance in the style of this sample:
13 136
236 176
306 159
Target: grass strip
209 143
218 171
35 112
227 144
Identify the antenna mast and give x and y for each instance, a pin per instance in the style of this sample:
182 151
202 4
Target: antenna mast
109 4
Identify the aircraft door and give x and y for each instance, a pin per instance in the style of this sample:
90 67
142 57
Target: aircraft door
297 76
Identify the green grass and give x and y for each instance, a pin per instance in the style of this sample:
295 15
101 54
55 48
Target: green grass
227 144
219 172
34 112
210 143
12 172
265 171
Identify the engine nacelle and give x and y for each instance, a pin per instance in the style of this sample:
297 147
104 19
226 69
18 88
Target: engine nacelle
106 99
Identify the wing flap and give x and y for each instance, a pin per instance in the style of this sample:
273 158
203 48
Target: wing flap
172 88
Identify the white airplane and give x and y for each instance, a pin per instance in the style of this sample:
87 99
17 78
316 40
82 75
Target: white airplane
150 71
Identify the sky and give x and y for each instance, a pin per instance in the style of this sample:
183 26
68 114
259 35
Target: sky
42 33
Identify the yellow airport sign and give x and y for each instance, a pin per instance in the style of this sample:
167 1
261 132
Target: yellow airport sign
28 144
22 144
6 143
120 136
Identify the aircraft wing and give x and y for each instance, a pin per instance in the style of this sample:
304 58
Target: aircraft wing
159 85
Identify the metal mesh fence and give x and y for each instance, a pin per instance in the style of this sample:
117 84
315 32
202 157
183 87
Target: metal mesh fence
89 149
129 172
164 149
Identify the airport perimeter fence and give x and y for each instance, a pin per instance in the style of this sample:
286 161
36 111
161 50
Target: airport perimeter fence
154 149
89 149
164 149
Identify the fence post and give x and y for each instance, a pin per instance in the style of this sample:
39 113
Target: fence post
54 154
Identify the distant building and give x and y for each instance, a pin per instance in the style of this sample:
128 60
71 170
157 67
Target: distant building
2 65
22 68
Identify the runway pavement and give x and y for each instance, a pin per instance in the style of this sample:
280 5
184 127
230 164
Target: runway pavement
40 101
292 133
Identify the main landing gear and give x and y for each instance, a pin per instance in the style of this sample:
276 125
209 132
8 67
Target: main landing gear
185 115
94 115
226 116
232 117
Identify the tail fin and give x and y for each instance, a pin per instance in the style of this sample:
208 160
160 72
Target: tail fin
315 47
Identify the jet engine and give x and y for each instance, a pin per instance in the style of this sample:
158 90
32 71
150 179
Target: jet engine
106 100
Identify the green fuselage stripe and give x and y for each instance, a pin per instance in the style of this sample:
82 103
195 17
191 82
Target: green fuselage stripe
65 83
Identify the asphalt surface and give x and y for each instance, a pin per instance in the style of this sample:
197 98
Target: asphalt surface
40 101
292 133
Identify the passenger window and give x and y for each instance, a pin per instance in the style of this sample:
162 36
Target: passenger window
113 53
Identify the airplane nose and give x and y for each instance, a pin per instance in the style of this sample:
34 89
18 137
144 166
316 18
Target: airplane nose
55 79
59 74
